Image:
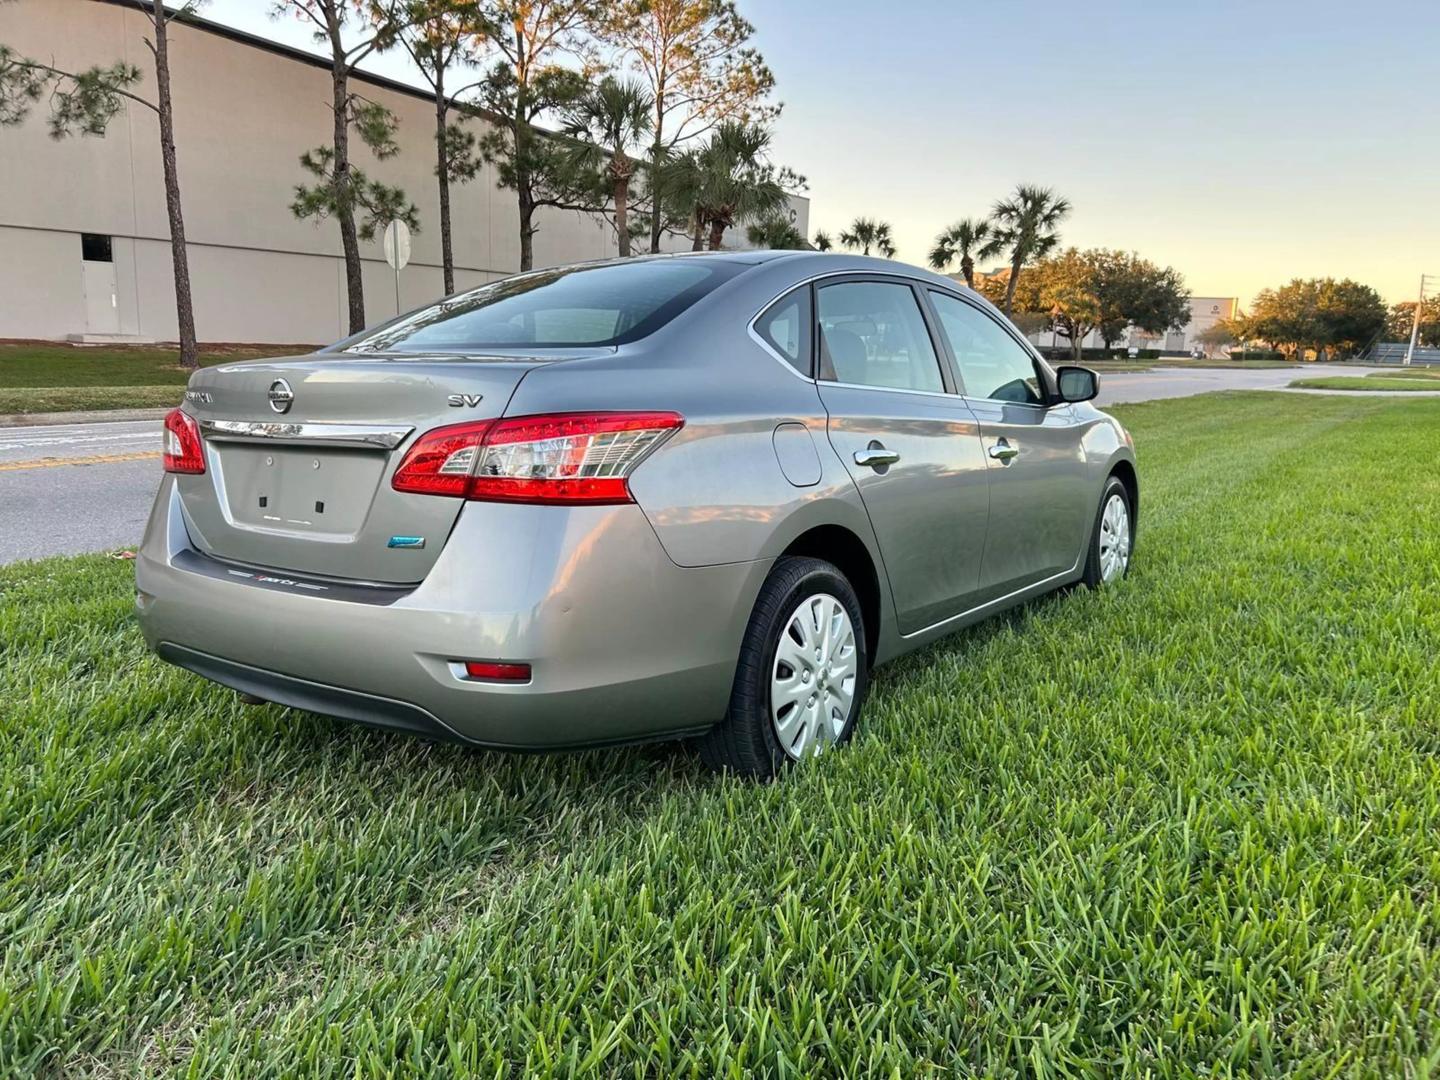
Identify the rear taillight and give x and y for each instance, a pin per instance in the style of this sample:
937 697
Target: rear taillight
183 451
441 461
560 458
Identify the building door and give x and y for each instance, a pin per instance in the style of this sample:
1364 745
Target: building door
102 302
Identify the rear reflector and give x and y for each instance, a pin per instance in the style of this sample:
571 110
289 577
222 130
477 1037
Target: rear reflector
183 450
564 458
496 672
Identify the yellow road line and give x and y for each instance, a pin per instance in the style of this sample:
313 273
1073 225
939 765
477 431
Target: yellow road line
97 459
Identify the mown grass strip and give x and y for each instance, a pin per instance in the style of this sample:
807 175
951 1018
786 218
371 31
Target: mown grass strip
1398 383
1187 826
37 377
1407 373
37 364
49 399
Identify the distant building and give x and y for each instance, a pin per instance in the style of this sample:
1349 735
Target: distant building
83 225
1205 312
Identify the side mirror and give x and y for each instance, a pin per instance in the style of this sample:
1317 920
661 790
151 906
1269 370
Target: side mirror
1076 383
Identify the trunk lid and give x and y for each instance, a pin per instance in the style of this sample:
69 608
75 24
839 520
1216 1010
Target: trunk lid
299 455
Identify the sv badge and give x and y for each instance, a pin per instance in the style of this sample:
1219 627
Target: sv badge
465 401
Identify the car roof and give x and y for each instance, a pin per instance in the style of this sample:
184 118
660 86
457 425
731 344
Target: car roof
803 265
815 261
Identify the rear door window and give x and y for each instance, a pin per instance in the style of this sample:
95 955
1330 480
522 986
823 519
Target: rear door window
604 304
872 333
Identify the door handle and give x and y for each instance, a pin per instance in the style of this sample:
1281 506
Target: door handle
1003 451
876 456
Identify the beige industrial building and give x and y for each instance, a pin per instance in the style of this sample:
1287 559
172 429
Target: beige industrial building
1205 312
84 238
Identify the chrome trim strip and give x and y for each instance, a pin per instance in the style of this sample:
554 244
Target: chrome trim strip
1042 583
972 400
365 436
783 362
894 390
811 281
802 283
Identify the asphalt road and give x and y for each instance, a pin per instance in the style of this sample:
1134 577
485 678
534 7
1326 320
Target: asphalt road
66 489
72 488
1116 389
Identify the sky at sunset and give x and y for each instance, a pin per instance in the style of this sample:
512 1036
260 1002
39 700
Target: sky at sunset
1243 143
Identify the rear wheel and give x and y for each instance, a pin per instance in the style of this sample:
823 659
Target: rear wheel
802 674
1113 537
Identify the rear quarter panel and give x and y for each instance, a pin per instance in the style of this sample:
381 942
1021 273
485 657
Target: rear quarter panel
715 492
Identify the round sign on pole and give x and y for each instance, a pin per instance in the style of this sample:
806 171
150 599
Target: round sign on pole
397 244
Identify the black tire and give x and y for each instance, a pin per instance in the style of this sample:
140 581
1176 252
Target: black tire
1094 576
745 742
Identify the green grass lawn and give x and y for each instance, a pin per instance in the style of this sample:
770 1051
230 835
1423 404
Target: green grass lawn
1369 382
38 399
1187 826
1430 373
53 378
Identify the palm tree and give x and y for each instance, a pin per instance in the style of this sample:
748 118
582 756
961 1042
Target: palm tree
725 181
615 117
823 241
867 233
1025 226
964 239
777 233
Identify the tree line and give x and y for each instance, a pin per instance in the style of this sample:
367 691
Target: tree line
1070 292
1075 293
656 114
1323 317
653 112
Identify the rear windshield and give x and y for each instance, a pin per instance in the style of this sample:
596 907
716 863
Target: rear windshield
606 304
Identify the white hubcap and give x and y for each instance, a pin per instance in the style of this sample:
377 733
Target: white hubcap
1114 538
812 681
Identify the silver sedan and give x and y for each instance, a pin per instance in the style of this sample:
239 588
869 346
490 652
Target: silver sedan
683 496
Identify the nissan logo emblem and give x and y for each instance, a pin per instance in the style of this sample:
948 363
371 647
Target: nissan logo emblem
280 396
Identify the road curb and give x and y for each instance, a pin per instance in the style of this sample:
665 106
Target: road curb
95 416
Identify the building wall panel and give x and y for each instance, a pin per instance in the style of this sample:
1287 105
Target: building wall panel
244 115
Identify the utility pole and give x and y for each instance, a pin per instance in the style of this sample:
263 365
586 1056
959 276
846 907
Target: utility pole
1425 283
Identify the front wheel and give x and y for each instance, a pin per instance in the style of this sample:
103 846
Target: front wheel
802 673
1113 537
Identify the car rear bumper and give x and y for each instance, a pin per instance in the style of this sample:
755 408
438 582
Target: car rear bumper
623 644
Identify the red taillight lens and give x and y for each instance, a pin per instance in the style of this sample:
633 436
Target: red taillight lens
496 672
568 457
183 450
561 458
441 461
